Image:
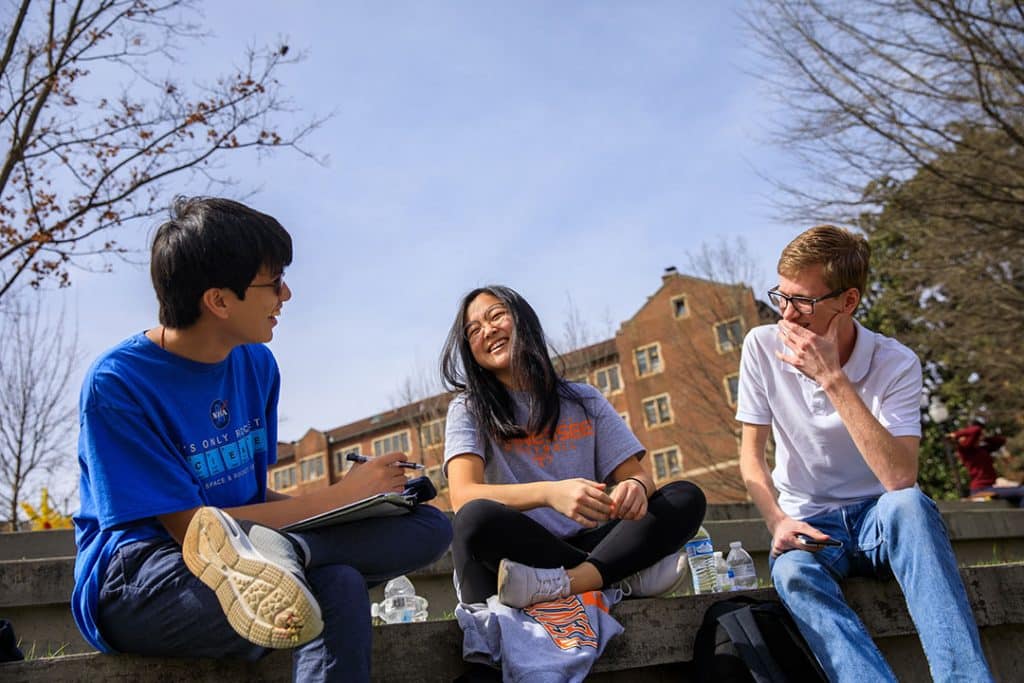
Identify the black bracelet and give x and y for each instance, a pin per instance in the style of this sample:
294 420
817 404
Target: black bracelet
646 492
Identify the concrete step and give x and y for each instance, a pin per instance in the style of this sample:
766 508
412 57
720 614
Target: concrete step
656 645
35 593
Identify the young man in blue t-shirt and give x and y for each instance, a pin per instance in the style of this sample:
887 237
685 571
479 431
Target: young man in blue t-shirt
178 548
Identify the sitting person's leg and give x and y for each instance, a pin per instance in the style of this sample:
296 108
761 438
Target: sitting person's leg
904 532
674 513
380 548
486 532
343 651
151 604
811 592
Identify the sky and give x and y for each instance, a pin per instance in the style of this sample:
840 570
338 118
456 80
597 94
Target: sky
566 149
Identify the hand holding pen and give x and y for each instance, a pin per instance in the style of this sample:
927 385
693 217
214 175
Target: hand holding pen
356 457
375 475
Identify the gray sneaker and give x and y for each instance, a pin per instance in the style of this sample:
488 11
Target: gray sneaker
663 576
257 576
522 586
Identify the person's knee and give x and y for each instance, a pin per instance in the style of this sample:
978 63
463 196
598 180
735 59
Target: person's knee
906 505
683 500
473 517
794 572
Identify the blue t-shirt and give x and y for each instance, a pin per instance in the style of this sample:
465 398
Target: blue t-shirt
588 443
161 434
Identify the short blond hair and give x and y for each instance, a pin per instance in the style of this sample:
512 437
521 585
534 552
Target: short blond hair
844 256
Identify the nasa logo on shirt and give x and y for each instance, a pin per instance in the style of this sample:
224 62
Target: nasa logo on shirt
219 413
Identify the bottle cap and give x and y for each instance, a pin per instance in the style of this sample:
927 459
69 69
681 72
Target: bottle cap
736 544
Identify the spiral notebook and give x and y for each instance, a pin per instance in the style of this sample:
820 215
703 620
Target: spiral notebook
380 505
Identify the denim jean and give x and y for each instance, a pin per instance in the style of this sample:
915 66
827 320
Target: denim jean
151 604
899 534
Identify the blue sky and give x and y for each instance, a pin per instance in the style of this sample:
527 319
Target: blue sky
562 148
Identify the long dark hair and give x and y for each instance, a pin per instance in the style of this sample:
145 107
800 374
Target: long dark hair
488 400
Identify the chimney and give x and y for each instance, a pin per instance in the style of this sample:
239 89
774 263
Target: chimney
670 272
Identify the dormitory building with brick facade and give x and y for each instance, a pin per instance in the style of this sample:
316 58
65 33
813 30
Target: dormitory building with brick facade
671 372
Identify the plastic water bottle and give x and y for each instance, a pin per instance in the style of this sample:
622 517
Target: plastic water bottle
722 570
701 556
741 566
401 604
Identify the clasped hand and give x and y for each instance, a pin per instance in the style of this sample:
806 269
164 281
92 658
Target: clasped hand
588 503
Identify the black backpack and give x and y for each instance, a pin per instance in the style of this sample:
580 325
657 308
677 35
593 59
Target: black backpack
752 641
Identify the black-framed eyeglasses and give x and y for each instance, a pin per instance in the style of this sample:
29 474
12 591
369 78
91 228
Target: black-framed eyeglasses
804 305
277 284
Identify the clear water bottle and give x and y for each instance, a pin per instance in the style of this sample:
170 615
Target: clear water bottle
722 570
741 566
401 604
701 556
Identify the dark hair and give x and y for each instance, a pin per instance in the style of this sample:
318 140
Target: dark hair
210 243
488 400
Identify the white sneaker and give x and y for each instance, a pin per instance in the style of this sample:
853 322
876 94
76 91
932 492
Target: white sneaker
663 576
522 586
264 600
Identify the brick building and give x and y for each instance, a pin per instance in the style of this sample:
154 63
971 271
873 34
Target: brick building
671 371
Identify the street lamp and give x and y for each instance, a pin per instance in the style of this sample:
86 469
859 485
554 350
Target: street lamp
939 413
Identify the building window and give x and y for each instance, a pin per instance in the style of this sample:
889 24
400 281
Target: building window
311 468
432 433
729 335
625 418
437 477
667 463
648 360
679 307
284 478
607 380
657 410
732 388
398 441
340 458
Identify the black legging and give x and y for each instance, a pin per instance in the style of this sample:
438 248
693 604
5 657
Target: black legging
487 531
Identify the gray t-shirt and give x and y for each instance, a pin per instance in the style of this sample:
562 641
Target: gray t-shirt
587 444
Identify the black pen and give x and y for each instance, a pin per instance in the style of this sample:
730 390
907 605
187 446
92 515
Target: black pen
355 457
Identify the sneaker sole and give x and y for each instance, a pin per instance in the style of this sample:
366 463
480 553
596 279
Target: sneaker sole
262 601
503 583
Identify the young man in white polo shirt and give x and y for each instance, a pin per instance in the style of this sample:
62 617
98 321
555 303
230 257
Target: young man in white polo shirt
843 405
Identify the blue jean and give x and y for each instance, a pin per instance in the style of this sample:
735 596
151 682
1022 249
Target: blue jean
899 534
151 604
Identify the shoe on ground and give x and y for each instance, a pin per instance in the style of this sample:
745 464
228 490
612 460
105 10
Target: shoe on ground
662 577
522 586
264 600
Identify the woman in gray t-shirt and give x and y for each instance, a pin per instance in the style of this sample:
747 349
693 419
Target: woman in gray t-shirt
545 477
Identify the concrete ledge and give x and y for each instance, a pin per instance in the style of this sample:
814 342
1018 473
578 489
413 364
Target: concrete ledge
658 639
35 593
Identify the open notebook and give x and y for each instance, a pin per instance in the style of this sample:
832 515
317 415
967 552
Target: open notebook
380 505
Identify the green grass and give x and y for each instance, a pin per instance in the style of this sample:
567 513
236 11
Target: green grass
31 653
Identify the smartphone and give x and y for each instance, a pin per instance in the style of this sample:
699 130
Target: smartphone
829 543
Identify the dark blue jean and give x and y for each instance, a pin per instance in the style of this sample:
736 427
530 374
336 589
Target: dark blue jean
151 604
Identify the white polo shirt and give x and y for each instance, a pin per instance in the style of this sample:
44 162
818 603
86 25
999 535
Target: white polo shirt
817 466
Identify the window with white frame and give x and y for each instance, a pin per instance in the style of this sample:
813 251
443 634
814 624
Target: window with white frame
608 380
396 441
679 307
648 359
340 458
667 463
657 410
311 468
284 478
732 388
432 433
729 335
